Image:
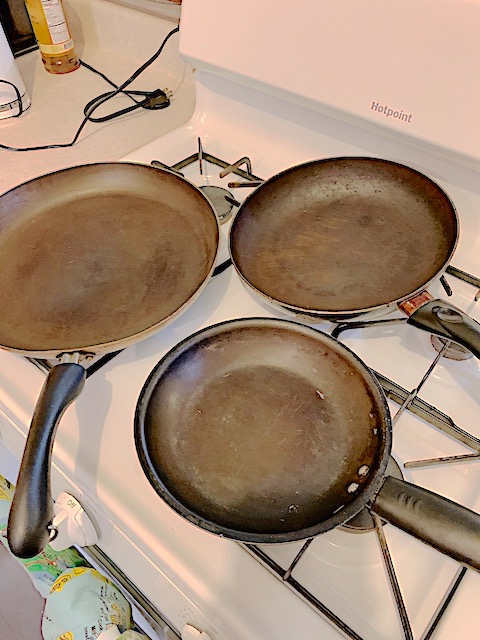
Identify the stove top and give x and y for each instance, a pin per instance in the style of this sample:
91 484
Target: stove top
346 573
360 579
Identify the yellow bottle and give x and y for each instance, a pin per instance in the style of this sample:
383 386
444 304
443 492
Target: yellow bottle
53 35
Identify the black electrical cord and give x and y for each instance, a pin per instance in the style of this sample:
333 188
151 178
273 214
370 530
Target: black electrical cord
157 99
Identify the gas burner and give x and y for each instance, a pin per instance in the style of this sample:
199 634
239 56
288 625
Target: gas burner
222 201
453 350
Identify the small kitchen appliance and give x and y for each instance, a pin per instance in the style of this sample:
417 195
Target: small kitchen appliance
14 98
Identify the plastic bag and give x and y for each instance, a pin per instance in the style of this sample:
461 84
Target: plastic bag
82 604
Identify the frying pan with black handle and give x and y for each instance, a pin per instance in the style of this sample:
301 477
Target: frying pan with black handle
338 238
93 258
266 431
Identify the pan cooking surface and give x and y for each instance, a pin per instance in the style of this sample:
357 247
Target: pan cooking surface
99 253
344 235
260 428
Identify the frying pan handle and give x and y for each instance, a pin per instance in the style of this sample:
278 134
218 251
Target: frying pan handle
448 527
447 321
31 511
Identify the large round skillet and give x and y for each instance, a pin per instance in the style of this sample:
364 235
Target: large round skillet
264 430
92 259
340 237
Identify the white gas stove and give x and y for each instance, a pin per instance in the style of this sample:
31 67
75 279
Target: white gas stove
374 584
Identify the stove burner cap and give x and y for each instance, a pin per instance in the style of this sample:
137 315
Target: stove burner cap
363 521
221 199
454 351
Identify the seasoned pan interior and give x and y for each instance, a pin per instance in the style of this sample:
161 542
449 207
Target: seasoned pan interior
97 253
260 426
343 234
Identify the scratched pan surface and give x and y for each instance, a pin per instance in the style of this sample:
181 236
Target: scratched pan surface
341 236
259 429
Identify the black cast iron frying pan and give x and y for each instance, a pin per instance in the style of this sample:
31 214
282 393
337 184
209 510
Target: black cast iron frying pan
337 238
92 259
267 431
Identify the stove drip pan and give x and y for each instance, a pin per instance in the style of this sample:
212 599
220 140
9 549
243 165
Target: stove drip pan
454 351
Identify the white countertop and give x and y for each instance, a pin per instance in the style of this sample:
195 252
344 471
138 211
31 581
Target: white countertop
115 40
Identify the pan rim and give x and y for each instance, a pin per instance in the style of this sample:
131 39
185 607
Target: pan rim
367 493
342 314
125 341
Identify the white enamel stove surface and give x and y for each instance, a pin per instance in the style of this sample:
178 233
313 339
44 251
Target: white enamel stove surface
193 576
